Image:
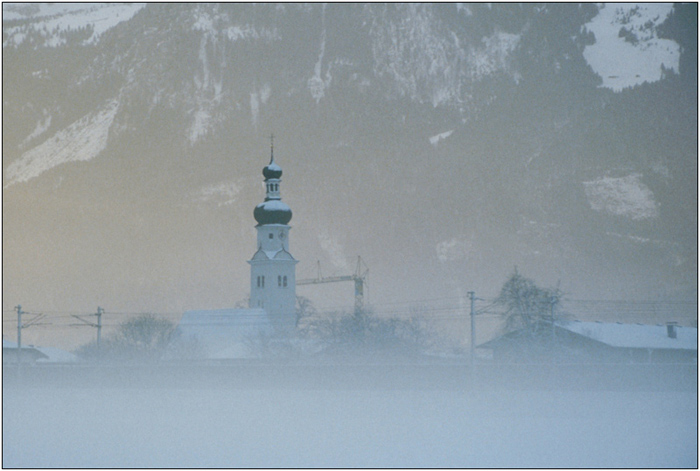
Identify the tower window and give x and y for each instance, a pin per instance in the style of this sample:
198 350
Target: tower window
284 281
258 282
271 236
279 281
262 279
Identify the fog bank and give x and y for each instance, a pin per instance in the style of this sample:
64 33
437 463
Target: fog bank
220 418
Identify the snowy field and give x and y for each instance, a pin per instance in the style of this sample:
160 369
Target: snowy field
232 424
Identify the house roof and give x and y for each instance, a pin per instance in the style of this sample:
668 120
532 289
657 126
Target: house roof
28 350
635 335
45 354
56 355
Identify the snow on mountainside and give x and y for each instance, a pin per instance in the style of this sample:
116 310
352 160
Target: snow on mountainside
222 193
628 50
82 140
434 140
53 22
430 66
625 196
411 45
217 33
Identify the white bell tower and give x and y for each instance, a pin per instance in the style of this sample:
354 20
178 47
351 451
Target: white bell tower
272 268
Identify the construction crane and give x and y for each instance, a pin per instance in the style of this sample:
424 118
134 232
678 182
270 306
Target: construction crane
359 278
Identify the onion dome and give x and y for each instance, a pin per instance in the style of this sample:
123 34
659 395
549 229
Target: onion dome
272 212
272 170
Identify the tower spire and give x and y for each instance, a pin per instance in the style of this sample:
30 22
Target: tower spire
272 261
273 177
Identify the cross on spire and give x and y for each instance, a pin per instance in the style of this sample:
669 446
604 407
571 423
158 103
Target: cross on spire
272 147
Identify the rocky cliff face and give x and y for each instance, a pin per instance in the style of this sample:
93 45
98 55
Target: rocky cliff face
443 143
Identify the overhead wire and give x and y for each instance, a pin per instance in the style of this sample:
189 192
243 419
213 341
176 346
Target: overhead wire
441 308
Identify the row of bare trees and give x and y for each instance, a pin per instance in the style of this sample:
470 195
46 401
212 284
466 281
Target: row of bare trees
524 306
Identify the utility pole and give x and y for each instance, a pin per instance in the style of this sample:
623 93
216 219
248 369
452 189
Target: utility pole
19 329
552 302
20 326
473 334
99 313
99 325
19 337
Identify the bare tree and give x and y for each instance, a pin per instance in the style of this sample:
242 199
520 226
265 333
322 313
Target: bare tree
362 331
243 303
527 306
305 309
142 338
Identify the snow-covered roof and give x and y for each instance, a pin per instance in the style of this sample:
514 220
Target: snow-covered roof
272 212
224 333
56 355
11 344
279 254
635 335
272 170
48 354
26 350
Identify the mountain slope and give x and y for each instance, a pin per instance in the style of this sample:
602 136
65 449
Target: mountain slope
444 143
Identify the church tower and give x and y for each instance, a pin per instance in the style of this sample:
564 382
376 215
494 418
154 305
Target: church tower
272 268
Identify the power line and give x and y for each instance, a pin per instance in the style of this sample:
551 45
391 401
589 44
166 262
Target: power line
443 308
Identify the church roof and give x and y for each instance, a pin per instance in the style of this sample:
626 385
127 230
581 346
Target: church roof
272 212
272 170
279 254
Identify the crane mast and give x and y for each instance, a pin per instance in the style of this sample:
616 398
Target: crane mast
359 278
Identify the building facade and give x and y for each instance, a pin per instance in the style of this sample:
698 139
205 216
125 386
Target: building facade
272 267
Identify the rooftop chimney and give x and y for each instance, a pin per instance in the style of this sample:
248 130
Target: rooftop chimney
671 330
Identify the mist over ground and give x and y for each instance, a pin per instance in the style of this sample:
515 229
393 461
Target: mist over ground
338 414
